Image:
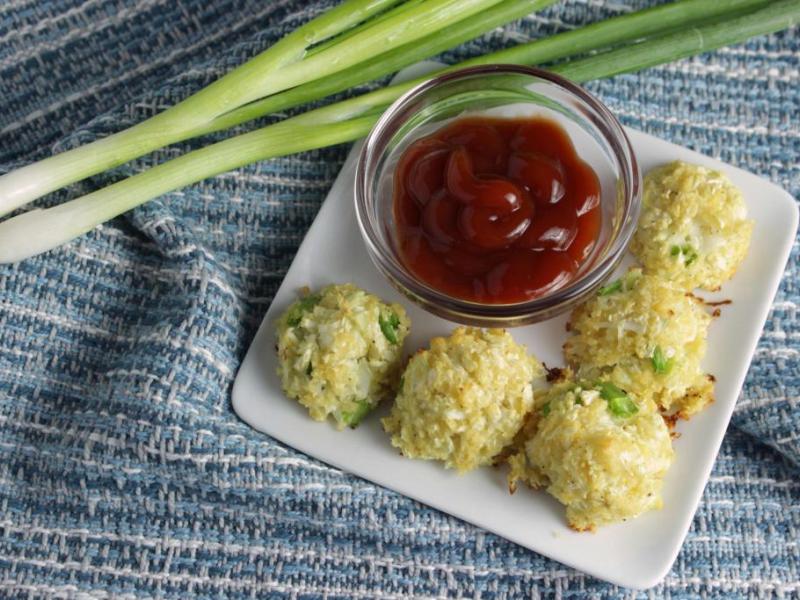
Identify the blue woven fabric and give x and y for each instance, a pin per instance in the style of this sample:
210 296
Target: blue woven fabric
124 472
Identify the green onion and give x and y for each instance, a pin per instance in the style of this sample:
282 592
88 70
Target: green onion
354 417
546 409
40 230
611 288
608 390
686 41
610 32
284 65
309 369
624 284
619 403
632 26
690 255
201 113
346 35
623 407
389 326
687 251
298 309
661 364
382 64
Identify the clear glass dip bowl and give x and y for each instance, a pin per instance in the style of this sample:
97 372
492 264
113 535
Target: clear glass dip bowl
499 91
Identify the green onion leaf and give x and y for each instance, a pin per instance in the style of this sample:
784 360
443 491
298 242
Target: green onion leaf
608 390
689 254
611 288
624 284
301 307
389 326
292 72
622 406
619 403
661 364
309 369
546 409
354 417
687 250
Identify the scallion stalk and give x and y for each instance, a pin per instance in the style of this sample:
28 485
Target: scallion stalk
673 44
637 25
615 31
284 65
199 114
774 16
343 37
40 230
383 64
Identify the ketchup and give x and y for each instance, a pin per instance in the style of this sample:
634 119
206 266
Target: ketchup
496 210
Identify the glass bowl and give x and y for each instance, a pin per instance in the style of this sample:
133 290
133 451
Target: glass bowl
499 91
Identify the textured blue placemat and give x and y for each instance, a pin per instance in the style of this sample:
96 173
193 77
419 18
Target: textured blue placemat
124 472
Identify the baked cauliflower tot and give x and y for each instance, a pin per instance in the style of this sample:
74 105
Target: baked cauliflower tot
463 400
693 229
599 451
340 352
647 337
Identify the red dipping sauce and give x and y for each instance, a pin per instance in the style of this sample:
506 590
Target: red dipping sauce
496 211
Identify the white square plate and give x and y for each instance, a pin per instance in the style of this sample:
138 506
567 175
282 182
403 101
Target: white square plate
643 549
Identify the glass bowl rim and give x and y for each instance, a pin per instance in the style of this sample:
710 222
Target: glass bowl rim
549 303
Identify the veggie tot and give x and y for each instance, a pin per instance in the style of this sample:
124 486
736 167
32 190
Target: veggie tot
693 229
340 352
643 335
598 450
463 400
